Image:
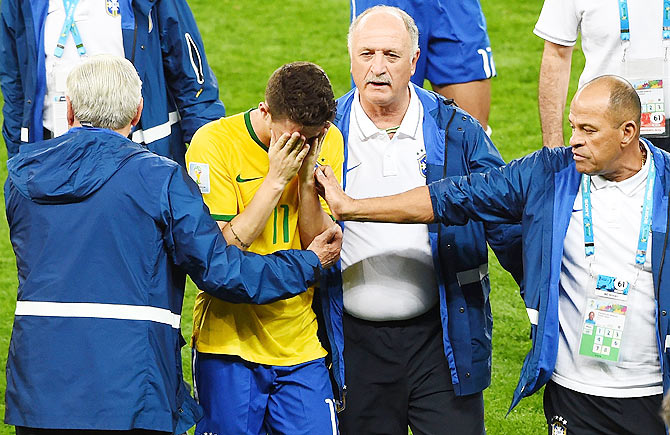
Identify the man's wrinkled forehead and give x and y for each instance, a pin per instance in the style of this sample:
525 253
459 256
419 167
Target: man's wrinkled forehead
380 26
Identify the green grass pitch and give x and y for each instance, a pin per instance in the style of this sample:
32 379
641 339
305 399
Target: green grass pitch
246 40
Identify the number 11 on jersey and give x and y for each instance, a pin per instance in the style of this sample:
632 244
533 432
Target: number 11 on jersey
284 210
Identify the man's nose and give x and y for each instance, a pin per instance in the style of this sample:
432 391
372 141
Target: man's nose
378 64
576 139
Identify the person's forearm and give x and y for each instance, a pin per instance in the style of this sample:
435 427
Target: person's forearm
413 206
553 91
249 224
312 219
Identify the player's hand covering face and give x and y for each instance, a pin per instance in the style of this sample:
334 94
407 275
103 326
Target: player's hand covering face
286 154
306 172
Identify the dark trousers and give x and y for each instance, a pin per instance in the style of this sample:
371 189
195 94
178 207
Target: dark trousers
580 413
33 431
397 376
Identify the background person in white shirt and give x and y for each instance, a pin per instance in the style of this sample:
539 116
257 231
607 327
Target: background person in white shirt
643 57
42 40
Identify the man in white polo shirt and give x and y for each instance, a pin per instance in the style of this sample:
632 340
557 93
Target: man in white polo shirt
417 320
42 40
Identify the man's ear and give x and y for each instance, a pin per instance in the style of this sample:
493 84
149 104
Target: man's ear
70 113
265 111
629 131
138 115
415 59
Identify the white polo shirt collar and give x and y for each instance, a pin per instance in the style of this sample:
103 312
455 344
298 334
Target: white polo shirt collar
408 127
628 186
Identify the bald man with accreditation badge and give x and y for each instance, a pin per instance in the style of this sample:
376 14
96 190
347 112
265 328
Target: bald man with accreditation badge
595 225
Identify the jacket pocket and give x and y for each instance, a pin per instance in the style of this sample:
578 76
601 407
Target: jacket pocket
196 59
188 411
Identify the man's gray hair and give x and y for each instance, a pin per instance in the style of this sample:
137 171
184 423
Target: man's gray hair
105 91
410 25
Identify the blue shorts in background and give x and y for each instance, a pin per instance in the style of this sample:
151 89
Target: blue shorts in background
241 397
454 45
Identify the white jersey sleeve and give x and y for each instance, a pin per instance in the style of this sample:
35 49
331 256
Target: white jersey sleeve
559 22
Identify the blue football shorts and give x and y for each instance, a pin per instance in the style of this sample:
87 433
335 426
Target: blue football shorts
454 45
241 397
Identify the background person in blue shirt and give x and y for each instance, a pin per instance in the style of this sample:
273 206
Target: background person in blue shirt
456 53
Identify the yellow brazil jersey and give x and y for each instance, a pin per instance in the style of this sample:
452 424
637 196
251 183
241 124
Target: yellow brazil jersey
229 163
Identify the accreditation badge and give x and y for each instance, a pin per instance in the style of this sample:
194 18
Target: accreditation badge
59 115
652 120
604 318
58 101
647 76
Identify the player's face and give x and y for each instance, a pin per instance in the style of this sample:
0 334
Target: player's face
382 62
596 139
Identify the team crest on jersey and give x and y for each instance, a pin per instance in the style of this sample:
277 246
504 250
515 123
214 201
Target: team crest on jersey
113 8
559 425
200 174
422 164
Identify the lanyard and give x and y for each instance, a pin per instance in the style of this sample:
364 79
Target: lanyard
624 22
645 224
69 26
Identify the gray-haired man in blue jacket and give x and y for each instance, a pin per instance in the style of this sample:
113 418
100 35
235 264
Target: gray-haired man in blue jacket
104 234
417 317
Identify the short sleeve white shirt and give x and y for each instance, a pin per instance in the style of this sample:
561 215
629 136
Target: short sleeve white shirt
598 21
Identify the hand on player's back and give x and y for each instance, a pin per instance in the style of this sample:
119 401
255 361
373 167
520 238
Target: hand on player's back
329 188
327 245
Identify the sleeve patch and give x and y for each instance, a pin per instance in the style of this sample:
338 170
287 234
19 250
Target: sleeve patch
200 174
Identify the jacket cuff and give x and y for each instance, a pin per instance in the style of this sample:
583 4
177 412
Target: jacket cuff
313 260
433 189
